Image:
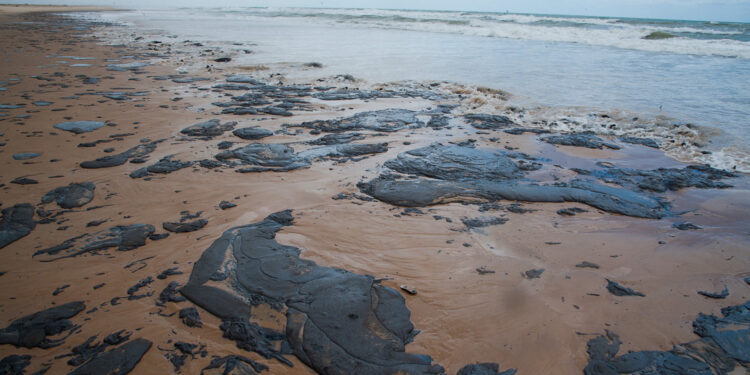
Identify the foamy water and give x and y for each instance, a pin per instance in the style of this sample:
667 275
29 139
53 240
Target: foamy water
693 72
683 37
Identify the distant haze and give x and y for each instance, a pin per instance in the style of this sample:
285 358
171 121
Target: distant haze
708 10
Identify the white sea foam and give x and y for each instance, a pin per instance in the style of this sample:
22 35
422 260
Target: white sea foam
721 39
682 141
729 40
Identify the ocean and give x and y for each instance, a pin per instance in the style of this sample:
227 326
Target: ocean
665 72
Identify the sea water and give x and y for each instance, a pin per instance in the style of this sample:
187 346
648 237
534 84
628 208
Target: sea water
688 71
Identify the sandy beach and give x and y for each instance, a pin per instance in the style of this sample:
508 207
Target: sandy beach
495 244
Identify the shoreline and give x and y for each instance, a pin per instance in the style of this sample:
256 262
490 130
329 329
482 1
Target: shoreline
691 137
465 316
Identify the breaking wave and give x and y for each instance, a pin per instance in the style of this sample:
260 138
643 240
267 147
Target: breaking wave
689 37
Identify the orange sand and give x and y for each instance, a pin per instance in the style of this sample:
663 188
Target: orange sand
539 326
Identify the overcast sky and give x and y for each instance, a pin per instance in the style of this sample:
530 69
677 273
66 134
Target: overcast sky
712 10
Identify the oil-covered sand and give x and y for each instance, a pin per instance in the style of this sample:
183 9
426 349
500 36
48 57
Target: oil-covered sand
413 225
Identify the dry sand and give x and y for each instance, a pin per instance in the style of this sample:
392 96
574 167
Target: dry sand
538 326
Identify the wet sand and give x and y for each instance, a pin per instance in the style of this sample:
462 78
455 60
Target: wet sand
537 325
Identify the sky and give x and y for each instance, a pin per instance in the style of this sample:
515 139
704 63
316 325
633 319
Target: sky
708 10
